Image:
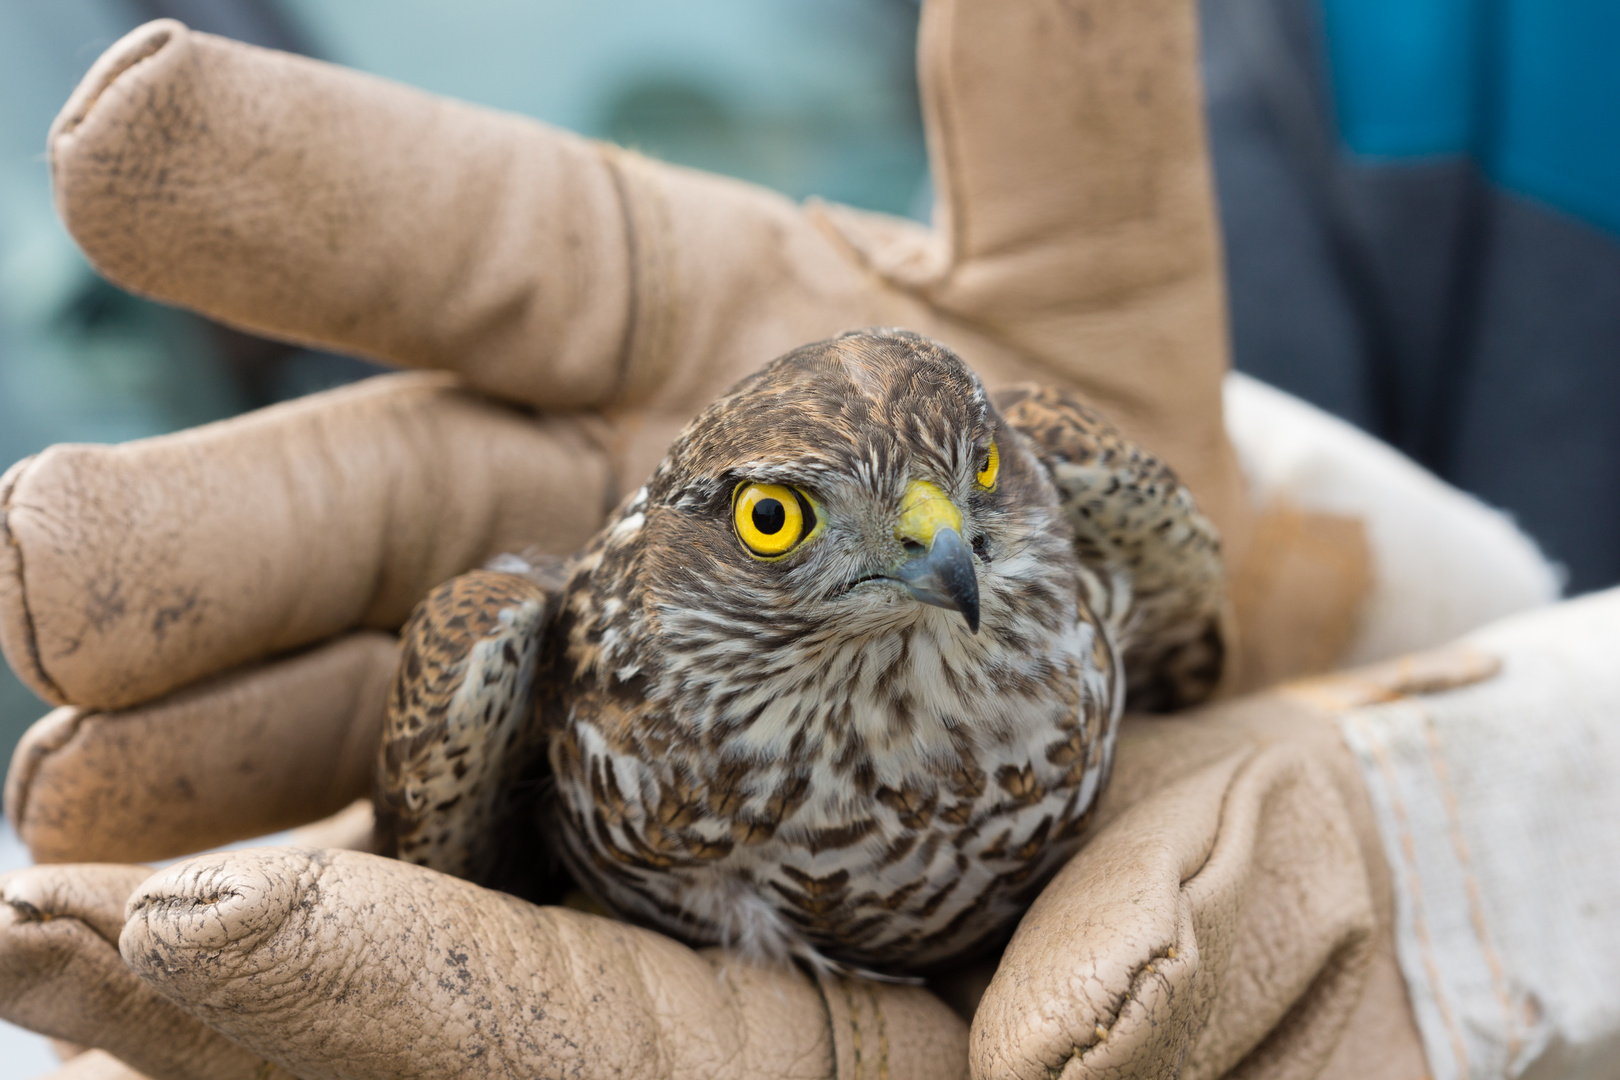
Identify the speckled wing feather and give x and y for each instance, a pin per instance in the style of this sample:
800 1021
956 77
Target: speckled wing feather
462 757
1152 560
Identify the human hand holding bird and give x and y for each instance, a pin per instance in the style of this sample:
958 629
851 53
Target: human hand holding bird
213 611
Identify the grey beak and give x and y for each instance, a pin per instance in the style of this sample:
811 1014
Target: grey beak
944 576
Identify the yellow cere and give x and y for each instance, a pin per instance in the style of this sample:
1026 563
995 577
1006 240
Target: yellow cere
992 466
768 517
924 510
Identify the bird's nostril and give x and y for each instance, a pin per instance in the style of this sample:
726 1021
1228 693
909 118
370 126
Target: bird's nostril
913 548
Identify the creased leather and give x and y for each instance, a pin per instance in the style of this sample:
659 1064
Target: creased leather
1229 917
194 168
326 206
1192 926
145 566
61 975
1075 244
1240 836
246 754
553 272
443 979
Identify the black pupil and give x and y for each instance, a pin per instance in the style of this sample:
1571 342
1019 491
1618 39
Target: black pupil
769 516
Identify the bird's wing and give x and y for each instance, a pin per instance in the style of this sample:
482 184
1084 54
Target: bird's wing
1152 561
463 755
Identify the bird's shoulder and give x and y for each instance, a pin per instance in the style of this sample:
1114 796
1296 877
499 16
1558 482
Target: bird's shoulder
1068 434
460 724
1151 560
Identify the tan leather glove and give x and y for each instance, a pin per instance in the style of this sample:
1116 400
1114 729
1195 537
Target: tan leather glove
1231 916
1075 245
341 964
206 606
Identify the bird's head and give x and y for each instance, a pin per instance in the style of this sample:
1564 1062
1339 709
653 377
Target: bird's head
864 483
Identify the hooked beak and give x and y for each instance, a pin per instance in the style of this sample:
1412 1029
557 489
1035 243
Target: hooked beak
942 572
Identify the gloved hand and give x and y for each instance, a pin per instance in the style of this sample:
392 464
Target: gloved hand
340 964
1076 245
211 609
1231 916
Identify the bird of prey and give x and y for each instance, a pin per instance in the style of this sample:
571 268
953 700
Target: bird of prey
838 684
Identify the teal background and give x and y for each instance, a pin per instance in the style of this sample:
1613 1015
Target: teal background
1530 89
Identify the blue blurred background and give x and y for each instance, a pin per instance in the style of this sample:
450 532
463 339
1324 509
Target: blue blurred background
1420 198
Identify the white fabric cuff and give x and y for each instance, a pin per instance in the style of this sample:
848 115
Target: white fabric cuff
1499 809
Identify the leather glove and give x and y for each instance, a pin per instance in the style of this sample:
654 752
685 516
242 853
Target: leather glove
1232 915
341 964
251 562
1076 245
211 609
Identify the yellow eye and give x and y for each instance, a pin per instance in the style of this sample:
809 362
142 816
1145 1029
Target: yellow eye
992 466
770 518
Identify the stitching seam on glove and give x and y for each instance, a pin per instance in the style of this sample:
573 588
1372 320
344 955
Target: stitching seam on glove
1412 882
649 325
844 1028
855 1030
609 155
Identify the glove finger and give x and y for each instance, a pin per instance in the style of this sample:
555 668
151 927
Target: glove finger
245 754
1074 226
326 206
128 571
1194 923
318 204
338 964
1093 208
61 975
